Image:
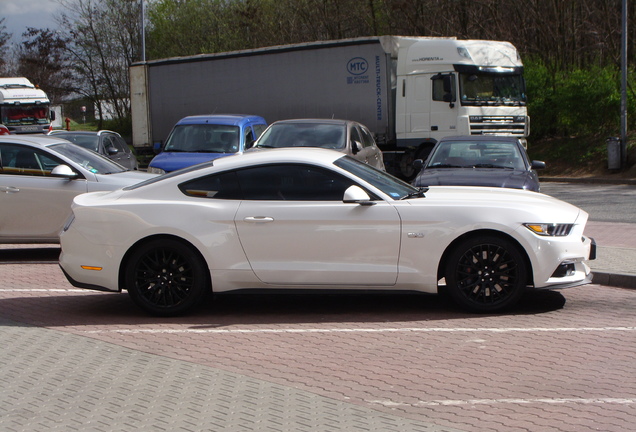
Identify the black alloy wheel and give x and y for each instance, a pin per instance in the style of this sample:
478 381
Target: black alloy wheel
165 277
486 274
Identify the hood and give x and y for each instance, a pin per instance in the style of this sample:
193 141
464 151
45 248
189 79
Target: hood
490 177
169 161
504 205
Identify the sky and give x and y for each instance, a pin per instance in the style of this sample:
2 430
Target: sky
20 14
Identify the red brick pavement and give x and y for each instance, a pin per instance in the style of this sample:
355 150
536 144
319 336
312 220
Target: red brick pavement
564 361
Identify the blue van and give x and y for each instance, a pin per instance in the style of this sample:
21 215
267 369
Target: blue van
202 138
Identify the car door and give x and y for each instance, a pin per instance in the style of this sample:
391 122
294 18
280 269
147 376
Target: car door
296 230
34 204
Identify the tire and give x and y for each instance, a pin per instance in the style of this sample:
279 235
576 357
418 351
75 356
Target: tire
486 274
166 277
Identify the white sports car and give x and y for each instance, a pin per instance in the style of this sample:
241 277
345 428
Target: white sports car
315 219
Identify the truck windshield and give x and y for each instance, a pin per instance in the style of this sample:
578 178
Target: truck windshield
492 89
16 115
203 138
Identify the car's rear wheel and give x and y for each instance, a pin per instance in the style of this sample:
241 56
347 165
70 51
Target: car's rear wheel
486 274
166 277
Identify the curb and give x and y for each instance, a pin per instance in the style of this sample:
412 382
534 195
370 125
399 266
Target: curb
598 180
614 279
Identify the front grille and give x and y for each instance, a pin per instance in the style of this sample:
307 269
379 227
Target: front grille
497 125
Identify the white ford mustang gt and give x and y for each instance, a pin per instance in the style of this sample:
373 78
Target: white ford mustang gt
315 219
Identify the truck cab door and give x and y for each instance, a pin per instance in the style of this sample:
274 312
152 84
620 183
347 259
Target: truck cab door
418 106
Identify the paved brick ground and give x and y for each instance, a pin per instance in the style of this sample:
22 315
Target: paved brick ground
563 361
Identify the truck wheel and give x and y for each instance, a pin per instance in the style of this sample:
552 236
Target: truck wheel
165 277
407 171
486 274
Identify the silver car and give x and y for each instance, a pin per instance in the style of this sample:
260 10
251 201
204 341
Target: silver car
40 176
104 142
345 136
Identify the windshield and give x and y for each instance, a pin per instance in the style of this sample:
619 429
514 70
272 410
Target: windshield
93 162
476 154
492 89
18 115
90 142
203 138
392 186
331 136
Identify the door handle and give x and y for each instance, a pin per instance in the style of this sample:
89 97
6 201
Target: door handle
258 219
10 189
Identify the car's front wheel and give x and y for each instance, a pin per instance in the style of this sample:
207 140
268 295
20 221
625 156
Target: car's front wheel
166 277
486 274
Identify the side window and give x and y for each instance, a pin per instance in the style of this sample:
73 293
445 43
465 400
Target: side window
109 144
444 87
249 137
292 183
258 130
367 137
22 160
355 134
219 186
120 144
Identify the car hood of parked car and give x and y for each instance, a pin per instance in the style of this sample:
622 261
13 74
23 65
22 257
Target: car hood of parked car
172 161
492 177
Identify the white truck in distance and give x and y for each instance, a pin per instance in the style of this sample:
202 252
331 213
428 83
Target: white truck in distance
24 108
409 91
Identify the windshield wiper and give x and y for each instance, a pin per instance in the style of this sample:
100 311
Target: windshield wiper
491 166
419 193
445 166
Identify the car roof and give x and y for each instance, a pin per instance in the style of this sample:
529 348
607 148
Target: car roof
280 155
33 140
65 132
314 120
222 119
485 138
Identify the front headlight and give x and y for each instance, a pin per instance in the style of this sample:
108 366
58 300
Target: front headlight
154 170
550 230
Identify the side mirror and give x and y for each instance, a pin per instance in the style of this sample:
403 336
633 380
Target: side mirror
356 146
156 147
111 150
64 171
356 195
418 164
52 115
538 165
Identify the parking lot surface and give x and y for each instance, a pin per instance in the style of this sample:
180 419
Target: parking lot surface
79 360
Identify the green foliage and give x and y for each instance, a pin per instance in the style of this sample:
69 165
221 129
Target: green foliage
573 103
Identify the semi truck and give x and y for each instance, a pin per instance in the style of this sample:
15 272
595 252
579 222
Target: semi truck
24 108
409 91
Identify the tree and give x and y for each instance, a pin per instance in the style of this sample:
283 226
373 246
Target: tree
42 58
104 40
4 38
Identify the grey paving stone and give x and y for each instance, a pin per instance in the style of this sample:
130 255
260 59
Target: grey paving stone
55 381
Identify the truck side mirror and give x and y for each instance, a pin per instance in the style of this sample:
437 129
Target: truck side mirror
52 115
156 147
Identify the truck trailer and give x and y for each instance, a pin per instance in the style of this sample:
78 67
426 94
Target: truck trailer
409 91
24 108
